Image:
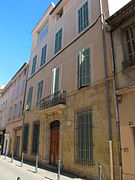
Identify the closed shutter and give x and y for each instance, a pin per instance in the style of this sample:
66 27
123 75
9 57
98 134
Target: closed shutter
58 41
39 92
29 97
25 137
79 21
55 80
84 68
34 65
35 143
43 55
83 17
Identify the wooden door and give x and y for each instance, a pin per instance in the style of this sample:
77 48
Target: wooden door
54 147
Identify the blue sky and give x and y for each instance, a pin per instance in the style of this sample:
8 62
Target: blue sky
17 20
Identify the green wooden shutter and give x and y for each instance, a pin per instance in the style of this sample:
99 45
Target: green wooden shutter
86 67
58 41
84 73
79 70
29 97
83 17
57 80
43 55
35 143
39 92
34 65
25 137
79 21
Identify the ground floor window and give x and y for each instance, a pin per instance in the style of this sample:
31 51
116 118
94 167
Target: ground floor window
25 137
35 141
83 137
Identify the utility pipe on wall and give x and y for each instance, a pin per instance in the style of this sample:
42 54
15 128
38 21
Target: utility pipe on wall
116 106
107 92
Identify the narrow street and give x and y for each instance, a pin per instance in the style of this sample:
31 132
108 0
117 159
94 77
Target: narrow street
10 171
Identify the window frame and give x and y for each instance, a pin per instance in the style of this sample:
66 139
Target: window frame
88 150
81 75
34 62
56 49
29 100
33 140
39 88
25 151
88 23
41 61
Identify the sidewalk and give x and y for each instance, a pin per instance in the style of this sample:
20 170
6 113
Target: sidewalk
9 171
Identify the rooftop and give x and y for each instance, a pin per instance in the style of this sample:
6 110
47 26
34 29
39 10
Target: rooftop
122 15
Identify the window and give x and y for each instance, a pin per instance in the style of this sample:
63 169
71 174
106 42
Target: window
29 100
59 14
35 142
130 42
20 108
83 17
25 137
129 47
84 78
55 80
43 33
22 86
58 41
34 65
17 109
84 137
39 92
43 55
17 90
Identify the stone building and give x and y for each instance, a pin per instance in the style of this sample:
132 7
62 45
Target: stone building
122 25
12 99
69 106
2 128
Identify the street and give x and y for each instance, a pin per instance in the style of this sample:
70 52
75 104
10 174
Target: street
10 171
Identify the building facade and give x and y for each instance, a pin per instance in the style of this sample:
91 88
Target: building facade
2 128
12 99
69 106
122 25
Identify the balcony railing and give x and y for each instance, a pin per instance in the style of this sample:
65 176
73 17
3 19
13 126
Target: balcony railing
129 63
53 100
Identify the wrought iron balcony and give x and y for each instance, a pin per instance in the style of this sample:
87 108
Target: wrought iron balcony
128 63
53 100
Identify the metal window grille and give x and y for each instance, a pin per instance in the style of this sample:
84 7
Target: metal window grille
35 142
83 137
25 137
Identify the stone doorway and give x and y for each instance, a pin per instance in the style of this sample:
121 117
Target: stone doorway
54 142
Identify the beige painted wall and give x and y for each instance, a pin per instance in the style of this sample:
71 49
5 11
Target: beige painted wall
125 90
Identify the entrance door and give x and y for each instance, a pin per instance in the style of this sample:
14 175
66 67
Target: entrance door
17 145
54 143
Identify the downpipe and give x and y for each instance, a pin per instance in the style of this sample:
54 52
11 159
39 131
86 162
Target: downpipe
107 92
116 106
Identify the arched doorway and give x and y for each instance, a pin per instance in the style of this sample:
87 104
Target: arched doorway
54 142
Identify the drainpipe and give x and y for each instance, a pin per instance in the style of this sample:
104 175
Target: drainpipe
107 92
23 115
116 106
